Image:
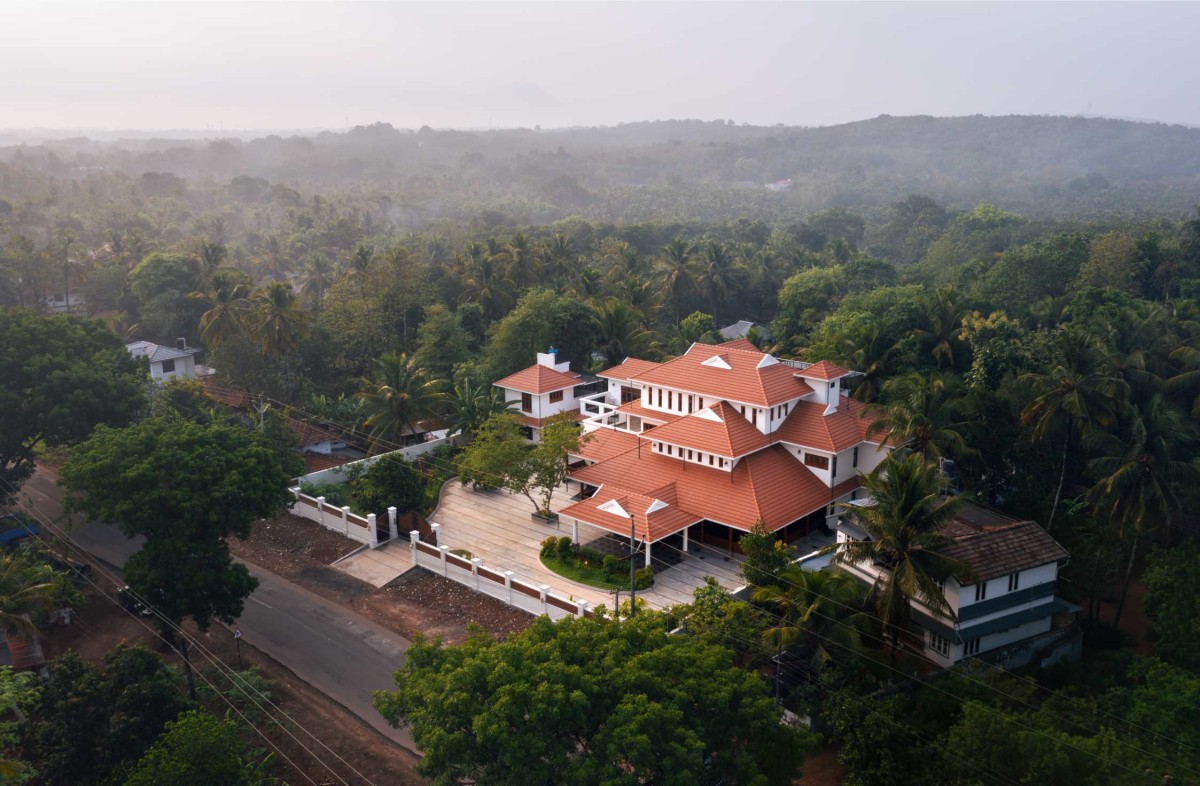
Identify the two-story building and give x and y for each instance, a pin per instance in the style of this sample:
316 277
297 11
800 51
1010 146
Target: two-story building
709 443
546 388
1007 597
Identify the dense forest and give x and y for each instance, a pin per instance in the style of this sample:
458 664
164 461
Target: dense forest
1021 295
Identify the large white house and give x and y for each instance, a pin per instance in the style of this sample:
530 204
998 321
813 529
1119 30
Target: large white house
709 443
1006 598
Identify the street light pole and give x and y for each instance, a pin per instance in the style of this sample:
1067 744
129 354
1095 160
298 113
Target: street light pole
632 585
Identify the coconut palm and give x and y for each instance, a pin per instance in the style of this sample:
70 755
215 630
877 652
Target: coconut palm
1074 396
400 396
944 311
27 587
904 522
718 274
278 323
621 331
558 256
925 413
226 320
875 354
1140 471
316 278
522 264
471 403
815 610
678 272
485 282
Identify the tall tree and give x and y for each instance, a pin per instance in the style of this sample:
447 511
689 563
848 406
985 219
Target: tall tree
679 276
905 525
400 395
928 414
278 322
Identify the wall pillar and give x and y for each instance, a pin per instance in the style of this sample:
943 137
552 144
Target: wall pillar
372 533
508 574
436 529
414 538
542 590
475 571
321 511
393 532
574 531
582 606
442 550
346 520
685 538
647 554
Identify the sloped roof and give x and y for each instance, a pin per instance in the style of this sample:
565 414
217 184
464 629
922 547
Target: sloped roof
653 516
740 343
719 429
635 408
770 485
539 379
315 462
604 443
824 370
809 426
156 353
731 373
628 369
308 434
998 551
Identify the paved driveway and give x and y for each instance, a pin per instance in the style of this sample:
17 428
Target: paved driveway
496 527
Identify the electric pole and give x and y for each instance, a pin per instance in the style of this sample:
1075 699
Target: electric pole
632 552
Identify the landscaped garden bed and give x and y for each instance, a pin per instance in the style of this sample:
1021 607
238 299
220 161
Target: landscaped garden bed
588 566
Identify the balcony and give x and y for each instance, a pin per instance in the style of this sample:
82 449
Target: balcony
598 413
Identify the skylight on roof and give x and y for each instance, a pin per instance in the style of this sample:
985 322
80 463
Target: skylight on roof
716 361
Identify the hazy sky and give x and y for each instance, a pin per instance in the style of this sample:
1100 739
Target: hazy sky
303 65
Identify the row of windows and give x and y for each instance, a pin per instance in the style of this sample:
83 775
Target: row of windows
699 457
942 646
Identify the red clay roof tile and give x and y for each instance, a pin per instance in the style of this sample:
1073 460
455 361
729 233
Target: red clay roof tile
538 379
742 375
730 434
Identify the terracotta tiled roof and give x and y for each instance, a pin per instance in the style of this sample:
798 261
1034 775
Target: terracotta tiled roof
996 552
628 369
539 379
740 343
604 443
770 484
750 377
823 370
233 398
653 516
719 429
808 425
635 408
315 462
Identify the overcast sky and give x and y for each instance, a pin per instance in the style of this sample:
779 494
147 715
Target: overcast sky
292 65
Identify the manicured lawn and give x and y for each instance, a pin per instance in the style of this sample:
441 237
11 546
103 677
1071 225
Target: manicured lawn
584 574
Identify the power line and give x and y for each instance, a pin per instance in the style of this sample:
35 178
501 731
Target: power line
237 680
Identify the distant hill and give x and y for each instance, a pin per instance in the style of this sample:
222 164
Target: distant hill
686 169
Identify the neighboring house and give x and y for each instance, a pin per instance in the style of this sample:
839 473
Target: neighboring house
544 389
168 362
742 328
63 304
780 185
715 440
1007 598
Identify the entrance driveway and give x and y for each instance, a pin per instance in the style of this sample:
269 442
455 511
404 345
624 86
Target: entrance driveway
496 527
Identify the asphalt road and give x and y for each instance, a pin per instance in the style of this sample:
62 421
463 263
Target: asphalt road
338 652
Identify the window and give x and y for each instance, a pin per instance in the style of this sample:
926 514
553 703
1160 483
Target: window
970 647
981 591
670 400
1014 582
854 459
526 402
689 454
556 396
939 645
785 409
689 405
168 366
941 584
818 462
711 459
660 397
629 394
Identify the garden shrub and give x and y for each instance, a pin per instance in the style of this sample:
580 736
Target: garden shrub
643 578
389 481
566 549
334 493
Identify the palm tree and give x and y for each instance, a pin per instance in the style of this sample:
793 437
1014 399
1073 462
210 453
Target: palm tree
926 414
401 395
944 312
485 282
718 275
471 403
279 324
210 255
1140 472
873 353
621 330
27 586
522 264
317 277
815 609
905 525
557 257
679 274
1075 396
226 319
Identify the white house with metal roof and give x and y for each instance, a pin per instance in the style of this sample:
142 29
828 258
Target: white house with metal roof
168 362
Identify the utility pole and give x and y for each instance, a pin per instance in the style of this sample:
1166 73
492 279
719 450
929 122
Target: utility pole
632 585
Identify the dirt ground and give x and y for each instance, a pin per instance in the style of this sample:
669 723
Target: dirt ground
101 625
822 769
417 602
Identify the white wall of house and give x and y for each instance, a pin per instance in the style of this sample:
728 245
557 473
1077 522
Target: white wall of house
183 368
825 392
1002 638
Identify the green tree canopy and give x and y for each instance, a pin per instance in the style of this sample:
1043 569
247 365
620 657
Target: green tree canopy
589 701
195 749
59 377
